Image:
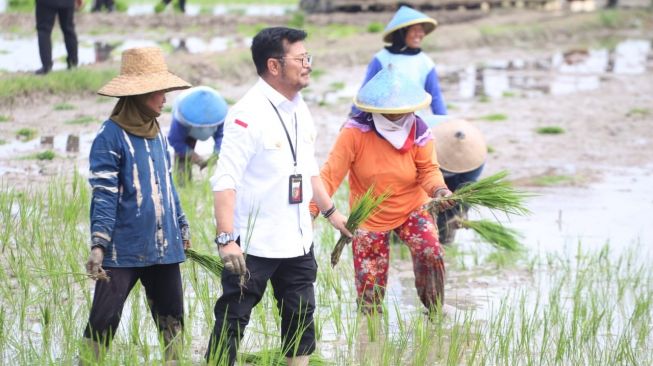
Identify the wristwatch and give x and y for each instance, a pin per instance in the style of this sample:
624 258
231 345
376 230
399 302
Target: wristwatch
224 238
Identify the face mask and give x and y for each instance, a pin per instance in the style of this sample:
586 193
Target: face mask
202 133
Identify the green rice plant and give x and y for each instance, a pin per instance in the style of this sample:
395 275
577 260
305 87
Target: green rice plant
4 118
297 20
638 112
550 130
211 263
63 107
494 233
46 155
375 27
364 207
58 83
493 192
26 134
2 141
495 117
81 120
553 180
274 357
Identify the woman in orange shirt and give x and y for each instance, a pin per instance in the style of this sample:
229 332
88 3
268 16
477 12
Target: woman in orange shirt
388 146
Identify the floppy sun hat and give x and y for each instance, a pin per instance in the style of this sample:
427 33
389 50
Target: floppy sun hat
201 106
405 17
142 71
389 92
459 145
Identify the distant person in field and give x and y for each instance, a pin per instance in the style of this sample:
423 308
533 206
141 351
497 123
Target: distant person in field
110 5
138 228
461 152
388 146
46 12
197 114
405 33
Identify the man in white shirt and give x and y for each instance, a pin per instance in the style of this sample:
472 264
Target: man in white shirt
266 176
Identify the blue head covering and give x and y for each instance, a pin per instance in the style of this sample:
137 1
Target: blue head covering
405 17
201 107
391 93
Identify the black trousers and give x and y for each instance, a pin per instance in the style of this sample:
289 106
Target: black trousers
45 15
292 281
164 296
182 4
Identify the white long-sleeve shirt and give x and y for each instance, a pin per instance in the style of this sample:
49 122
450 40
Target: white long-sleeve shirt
256 161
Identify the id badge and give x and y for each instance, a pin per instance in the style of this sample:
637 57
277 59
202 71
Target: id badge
295 191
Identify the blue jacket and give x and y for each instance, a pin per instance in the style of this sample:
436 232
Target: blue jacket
134 205
419 67
184 144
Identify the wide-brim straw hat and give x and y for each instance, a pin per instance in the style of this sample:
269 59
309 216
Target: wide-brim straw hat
390 92
142 71
405 17
460 146
201 106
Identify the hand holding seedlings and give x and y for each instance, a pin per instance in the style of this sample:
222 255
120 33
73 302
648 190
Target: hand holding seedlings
233 258
339 221
440 195
94 265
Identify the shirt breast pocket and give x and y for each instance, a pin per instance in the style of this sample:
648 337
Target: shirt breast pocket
272 141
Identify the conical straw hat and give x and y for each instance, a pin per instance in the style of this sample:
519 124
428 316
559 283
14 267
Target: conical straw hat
460 146
142 71
391 92
405 17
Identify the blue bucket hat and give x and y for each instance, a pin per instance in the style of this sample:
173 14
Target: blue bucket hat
201 106
392 93
405 17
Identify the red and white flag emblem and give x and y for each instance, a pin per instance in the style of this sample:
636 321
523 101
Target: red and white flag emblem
241 123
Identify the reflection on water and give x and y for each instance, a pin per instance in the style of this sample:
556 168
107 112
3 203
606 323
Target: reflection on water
563 73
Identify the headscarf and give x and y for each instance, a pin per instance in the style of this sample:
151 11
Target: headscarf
398 46
134 116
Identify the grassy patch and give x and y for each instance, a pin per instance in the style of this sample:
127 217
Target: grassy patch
317 74
58 82
4 118
375 27
638 112
26 134
20 5
45 155
337 85
610 18
81 120
483 99
2 142
297 20
250 30
553 180
167 109
550 130
495 117
63 107
490 149
508 94
451 107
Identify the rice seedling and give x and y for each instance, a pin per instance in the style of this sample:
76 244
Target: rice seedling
211 263
494 233
550 130
26 134
81 120
493 192
364 207
4 118
63 107
496 117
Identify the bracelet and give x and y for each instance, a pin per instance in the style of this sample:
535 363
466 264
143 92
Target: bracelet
435 193
329 212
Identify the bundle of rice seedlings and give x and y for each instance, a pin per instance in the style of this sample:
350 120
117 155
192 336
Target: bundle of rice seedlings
495 233
276 358
365 206
493 192
211 263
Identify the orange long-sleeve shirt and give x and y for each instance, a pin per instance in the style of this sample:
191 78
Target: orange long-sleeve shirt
371 160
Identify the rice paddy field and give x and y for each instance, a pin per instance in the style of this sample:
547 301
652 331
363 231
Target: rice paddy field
563 100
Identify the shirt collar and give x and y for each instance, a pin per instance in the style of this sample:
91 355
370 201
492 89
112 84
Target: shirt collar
277 98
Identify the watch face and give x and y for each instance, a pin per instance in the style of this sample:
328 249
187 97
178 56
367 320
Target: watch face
223 238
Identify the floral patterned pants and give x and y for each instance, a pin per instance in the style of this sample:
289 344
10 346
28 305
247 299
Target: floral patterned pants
372 255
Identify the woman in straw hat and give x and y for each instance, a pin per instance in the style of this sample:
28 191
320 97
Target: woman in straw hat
138 229
405 33
387 146
461 153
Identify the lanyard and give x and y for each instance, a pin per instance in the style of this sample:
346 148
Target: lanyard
294 149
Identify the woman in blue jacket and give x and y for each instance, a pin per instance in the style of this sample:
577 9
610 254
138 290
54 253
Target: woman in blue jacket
138 229
405 33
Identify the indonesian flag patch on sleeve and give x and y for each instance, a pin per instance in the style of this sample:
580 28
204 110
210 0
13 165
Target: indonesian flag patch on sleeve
241 123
